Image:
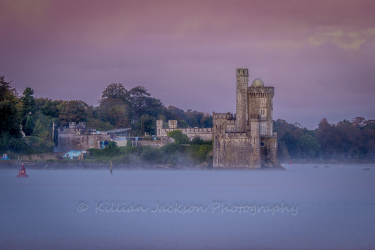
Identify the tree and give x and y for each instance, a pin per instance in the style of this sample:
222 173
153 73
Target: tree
29 125
49 107
191 118
309 146
72 111
10 132
28 102
327 138
138 99
206 121
183 124
178 136
148 124
39 129
291 143
115 112
7 90
359 121
111 149
176 113
116 91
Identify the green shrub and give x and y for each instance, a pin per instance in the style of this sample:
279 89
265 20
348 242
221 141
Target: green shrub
150 154
178 136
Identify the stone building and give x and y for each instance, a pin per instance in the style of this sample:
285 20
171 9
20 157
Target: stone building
246 139
78 137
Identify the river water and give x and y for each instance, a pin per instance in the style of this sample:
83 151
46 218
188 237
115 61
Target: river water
301 208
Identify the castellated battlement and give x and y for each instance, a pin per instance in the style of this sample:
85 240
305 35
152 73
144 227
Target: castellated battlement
196 130
255 118
261 92
203 133
224 121
242 71
227 116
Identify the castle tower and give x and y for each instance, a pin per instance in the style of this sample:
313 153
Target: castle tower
159 127
260 100
172 124
241 99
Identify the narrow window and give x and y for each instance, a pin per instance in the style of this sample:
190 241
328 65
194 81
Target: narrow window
263 112
262 129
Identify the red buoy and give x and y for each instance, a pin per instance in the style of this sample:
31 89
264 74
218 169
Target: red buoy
290 163
22 172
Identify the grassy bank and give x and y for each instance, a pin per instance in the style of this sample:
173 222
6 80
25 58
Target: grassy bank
170 154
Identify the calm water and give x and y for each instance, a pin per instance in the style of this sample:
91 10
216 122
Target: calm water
301 208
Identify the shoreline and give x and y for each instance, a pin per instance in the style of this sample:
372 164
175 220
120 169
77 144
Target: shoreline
90 165
104 165
329 161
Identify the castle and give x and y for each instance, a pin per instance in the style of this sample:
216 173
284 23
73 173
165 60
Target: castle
245 139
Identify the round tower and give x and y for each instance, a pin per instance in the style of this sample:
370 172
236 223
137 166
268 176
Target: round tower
241 99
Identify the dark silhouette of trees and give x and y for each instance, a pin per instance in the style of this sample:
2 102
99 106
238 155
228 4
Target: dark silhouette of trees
343 141
10 131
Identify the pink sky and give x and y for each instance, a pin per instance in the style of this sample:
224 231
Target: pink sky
319 55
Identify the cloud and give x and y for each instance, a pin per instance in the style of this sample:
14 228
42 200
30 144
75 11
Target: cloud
346 40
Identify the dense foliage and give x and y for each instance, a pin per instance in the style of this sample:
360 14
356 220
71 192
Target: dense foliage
118 108
342 141
10 133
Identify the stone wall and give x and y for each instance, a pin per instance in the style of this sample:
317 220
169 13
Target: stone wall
269 151
81 142
233 150
203 133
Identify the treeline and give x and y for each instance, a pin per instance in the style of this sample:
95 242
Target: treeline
26 123
346 140
118 108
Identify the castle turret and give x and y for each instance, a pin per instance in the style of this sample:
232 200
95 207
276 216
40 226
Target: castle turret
260 103
172 124
159 127
241 99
